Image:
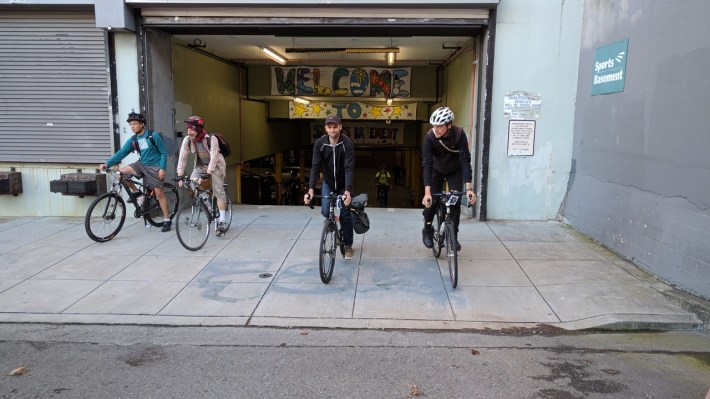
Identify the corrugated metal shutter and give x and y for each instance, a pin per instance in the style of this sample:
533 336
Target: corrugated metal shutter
54 87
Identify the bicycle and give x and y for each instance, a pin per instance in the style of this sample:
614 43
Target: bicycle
107 213
444 232
382 190
290 193
195 218
331 237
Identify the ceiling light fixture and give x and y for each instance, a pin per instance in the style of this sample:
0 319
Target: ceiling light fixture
301 100
390 58
348 50
273 55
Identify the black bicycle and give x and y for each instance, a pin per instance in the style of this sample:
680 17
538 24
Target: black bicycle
332 236
107 213
444 232
290 193
195 218
382 191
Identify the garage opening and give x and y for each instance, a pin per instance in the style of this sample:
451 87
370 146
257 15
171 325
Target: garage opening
272 111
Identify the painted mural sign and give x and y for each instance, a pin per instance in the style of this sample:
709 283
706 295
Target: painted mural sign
610 68
365 133
340 81
354 110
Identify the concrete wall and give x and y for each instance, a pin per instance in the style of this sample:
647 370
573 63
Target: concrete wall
209 88
536 50
640 181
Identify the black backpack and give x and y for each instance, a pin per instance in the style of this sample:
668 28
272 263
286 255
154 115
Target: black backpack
224 147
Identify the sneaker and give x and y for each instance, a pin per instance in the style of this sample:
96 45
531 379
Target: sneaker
221 225
458 245
426 236
348 252
166 225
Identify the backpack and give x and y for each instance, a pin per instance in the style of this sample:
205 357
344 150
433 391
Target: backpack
134 144
224 147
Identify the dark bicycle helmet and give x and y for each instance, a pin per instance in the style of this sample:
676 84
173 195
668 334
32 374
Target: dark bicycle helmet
133 116
195 121
442 116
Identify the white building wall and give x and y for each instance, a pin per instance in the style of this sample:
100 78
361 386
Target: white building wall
127 85
536 50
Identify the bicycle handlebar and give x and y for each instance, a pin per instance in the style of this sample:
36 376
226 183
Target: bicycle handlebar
329 196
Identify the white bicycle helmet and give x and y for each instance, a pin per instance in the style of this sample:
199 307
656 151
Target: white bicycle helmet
442 116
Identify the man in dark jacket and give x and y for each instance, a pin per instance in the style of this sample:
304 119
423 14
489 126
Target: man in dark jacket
445 156
334 153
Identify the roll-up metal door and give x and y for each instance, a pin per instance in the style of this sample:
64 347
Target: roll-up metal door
54 87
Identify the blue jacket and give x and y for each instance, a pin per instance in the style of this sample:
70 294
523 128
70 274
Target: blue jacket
151 155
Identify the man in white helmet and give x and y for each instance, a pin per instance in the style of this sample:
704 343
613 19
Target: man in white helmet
445 156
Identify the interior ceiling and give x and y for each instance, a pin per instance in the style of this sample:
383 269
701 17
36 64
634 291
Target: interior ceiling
413 50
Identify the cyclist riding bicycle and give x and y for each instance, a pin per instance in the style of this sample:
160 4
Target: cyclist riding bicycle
151 165
208 160
445 156
335 154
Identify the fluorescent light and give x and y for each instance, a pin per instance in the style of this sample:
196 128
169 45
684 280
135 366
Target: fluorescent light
390 58
273 55
301 100
350 50
389 101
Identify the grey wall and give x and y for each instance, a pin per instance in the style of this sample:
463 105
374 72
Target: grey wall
640 178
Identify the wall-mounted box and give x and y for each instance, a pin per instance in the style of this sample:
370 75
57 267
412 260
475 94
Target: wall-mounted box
10 183
80 184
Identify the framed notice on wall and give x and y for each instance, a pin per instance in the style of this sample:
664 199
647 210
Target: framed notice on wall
521 137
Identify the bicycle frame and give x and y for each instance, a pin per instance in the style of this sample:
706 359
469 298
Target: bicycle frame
120 183
194 220
331 237
446 234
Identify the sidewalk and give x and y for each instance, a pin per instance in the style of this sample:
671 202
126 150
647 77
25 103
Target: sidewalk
264 272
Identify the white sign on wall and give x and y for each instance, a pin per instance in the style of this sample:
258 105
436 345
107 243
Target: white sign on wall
521 137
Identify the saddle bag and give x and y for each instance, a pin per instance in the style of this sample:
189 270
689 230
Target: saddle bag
361 222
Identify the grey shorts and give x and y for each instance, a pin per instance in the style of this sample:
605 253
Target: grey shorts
148 173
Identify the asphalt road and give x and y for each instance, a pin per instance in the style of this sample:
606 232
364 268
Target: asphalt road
83 361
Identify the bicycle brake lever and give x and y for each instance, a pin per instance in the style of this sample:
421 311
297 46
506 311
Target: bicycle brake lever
310 204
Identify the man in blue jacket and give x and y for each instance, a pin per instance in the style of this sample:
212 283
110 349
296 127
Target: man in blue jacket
151 165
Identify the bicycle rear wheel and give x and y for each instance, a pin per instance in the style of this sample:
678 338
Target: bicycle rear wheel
436 237
105 217
193 225
326 257
451 253
155 214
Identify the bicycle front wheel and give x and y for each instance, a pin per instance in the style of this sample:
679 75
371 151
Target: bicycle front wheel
436 227
451 253
105 217
228 213
193 225
155 214
327 252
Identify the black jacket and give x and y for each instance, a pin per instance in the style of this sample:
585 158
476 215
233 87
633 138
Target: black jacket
446 155
337 163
